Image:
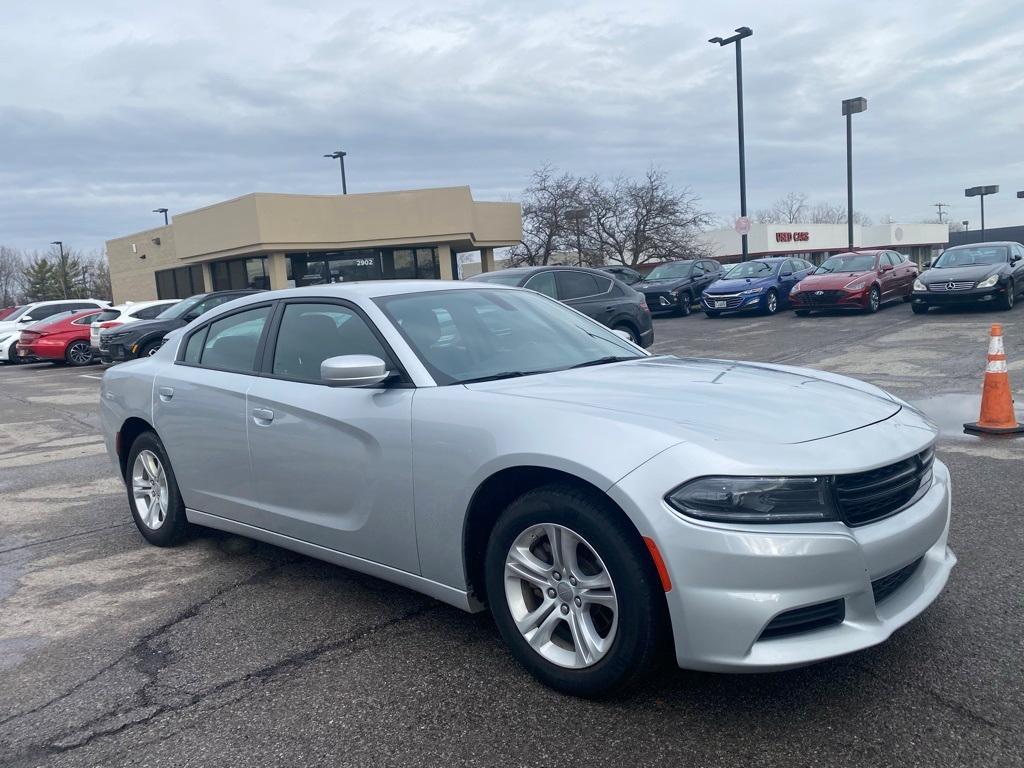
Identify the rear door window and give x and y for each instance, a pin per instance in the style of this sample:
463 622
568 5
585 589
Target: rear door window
577 285
543 282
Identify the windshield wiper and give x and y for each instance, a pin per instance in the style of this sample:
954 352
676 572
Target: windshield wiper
496 376
602 361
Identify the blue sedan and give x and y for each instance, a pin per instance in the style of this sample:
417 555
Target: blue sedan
760 285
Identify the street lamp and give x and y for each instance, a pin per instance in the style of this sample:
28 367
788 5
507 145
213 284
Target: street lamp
981 192
339 155
163 211
741 32
63 271
850 108
578 215
966 224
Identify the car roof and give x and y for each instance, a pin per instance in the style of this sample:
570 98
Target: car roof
141 304
371 289
99 302
987 242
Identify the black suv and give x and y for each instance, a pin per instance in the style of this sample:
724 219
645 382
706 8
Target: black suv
141 339
590 291
675 285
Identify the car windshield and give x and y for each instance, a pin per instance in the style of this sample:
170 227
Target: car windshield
968 257
861 262
668 271
749 269
180 309
476 335
501 278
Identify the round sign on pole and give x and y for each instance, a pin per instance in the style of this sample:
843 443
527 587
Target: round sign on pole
742 225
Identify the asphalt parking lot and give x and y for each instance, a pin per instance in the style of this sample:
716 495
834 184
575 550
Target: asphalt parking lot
229 652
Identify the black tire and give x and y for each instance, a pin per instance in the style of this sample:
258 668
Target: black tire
712 314
802 312
79 353
1008 300
149 348
771 302
919 309
642 624
634 337
685 304
874 300
174 527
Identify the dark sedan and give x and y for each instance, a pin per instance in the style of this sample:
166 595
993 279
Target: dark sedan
590 291
143 338
980 274
676 285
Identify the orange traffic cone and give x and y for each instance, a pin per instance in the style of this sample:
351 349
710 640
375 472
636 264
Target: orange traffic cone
997 416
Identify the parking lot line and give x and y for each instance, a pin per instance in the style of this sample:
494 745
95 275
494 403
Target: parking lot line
90 376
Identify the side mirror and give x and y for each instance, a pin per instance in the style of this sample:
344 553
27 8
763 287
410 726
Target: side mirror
25 319
624 335
353 370
1015 259
887 268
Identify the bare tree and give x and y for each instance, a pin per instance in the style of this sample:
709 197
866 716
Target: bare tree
12 267
96 277
796 208
545 227
835 213
635 221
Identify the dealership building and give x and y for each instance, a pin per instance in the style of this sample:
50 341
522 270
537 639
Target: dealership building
266 240
816 242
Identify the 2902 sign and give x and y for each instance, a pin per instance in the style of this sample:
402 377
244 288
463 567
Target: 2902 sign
364 262
789 237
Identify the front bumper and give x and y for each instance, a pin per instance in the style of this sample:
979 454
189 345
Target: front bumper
662 302
729 582
730 302
831 299
968 298
114 353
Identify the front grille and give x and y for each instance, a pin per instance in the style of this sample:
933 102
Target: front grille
805 619
654 301
885 586
879 493
826 297
732 300
951 286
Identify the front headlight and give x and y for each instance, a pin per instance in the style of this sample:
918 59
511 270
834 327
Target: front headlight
919 286
796 287
988 282
856 286
751 291
756 499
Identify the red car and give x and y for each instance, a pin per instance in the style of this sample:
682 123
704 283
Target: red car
5 311
63 338
861 280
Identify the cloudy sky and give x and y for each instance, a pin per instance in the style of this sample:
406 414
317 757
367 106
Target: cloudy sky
110 108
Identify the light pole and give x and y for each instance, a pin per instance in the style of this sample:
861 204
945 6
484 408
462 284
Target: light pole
63 270
339 155
741 32
967 225
163 211
981 192
578 215
850 108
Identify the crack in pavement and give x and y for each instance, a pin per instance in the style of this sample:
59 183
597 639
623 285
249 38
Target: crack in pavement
65 538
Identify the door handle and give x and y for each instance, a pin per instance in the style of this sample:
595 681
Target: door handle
166 393
262 416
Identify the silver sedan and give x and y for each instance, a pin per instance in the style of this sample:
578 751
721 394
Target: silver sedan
491 447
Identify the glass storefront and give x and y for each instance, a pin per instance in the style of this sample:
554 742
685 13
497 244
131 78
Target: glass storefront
179 283
322 267
239 274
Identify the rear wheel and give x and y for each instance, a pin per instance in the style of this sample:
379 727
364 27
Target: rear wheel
573 591
919 309
633 336
153 494
874 300
78 353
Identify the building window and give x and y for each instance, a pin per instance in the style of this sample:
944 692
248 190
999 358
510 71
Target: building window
240 274
413 263
312 268
179 283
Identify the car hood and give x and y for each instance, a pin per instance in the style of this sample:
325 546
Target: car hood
833 281
660 286
716 399
973 273
142 327
739 284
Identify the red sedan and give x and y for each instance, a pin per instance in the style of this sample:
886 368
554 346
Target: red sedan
63 338
5 311
862 280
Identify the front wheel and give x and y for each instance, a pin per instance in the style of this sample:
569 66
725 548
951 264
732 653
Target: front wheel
1008 300
919 309
574 592
874 300
150 349
153 494
771 302
685 304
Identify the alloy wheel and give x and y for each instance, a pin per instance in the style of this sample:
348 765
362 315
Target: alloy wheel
772 303
149 489
79 353
874 298
561 596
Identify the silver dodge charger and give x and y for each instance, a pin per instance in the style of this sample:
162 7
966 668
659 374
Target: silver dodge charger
489 446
